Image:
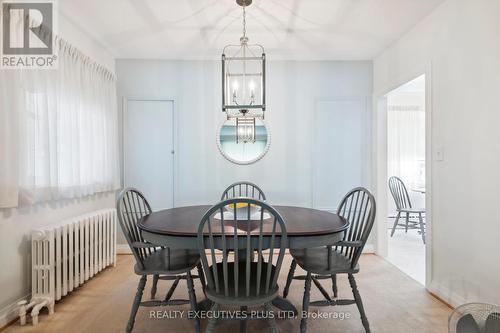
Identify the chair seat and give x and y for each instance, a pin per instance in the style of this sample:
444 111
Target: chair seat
242 299
315 260
412 210
169 262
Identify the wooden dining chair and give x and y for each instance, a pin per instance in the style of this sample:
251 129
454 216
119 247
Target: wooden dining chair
162 263
358 208
249 279
243 189
404 206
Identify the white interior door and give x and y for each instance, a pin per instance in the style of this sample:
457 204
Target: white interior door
148 150
339 134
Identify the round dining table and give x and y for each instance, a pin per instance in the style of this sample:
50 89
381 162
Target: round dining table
306 228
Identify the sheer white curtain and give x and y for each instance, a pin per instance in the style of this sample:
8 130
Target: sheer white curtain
406 143
62 139
9 137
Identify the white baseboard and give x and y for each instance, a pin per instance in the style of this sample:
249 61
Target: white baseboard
369 249
446 294
10 312
123 249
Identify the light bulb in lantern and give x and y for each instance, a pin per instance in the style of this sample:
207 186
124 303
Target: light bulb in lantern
251 86
235 90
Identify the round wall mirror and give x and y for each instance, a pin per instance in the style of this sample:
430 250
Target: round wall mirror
245 143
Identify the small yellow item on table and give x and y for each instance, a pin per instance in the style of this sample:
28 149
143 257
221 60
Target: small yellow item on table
240 205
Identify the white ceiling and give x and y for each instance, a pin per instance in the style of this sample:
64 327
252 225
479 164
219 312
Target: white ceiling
288 29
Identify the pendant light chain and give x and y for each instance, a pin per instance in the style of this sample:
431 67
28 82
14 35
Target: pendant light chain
244 46
244 21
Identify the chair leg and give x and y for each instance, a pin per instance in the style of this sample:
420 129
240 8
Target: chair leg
137 302
305 303
243 322
334 286
154 287
212 321
422 230
192 300
395 224
407 221
289 279
202 276
272 322
359 303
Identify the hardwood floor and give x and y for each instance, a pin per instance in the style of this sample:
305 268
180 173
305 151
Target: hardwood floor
393 302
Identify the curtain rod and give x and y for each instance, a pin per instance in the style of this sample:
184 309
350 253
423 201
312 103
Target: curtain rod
76 53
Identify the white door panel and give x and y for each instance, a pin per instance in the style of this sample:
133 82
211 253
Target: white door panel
148 150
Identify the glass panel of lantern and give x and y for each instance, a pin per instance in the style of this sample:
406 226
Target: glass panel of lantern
244 82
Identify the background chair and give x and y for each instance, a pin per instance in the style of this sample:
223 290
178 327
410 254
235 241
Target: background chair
358 207
249 280
161 263
243 189
403 206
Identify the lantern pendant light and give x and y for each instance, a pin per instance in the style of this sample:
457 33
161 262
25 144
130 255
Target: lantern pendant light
244 83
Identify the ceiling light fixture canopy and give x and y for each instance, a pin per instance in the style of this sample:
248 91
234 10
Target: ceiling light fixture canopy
244 80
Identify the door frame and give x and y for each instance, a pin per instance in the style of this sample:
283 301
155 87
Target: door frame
125 101
380 164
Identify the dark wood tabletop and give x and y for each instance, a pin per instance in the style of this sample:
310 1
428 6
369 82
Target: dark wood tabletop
184 221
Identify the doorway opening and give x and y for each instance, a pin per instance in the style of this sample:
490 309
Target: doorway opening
406 178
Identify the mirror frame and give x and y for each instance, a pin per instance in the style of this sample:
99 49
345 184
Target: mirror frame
266 148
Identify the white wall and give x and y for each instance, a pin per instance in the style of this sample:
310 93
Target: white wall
294 88
15 224
460 41
83 41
